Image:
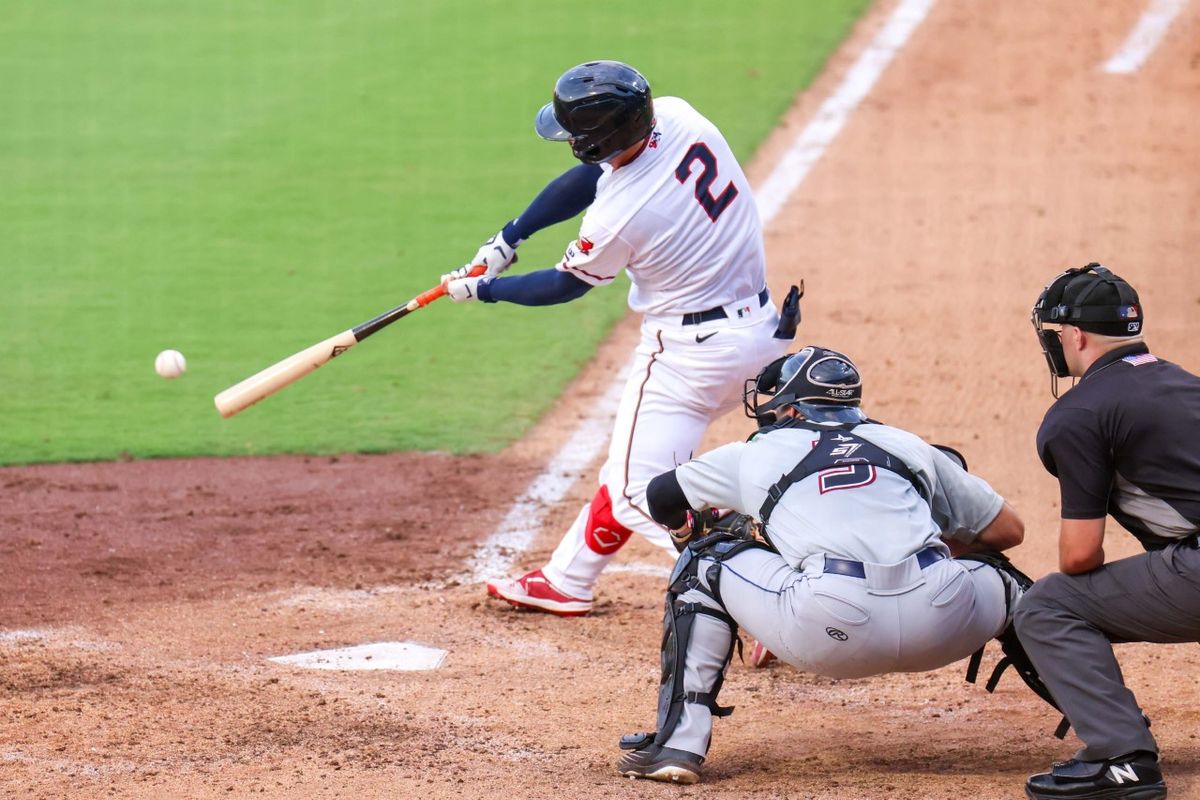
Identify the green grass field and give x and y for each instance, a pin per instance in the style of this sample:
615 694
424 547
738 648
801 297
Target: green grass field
237 179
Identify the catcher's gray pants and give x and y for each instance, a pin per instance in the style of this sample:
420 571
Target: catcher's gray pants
1068 622
899 618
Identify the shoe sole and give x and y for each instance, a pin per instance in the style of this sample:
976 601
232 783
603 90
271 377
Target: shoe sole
576 609
666 774
1153 791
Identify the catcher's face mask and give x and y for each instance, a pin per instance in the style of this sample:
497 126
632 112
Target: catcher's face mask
1091 298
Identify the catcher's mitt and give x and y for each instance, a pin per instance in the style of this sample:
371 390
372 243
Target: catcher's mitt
714 520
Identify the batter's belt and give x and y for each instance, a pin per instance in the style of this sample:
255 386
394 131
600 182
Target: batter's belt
724 312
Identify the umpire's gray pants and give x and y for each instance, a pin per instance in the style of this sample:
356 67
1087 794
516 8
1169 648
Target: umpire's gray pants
1068 622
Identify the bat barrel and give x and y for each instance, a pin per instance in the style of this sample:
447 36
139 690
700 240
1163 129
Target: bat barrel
262 384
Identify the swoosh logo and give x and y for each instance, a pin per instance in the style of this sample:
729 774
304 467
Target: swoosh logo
702 339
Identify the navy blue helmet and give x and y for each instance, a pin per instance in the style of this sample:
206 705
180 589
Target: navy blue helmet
601 108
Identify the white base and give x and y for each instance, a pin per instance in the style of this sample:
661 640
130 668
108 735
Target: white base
408 656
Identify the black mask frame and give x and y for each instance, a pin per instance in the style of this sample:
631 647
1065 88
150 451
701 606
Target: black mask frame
1050 308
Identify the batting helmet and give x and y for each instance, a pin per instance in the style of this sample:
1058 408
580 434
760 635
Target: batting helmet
601 108
822 384
1092 298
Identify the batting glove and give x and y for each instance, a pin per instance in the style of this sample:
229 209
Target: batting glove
463 290
496 254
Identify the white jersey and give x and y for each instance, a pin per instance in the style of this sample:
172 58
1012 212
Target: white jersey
877 517
679 219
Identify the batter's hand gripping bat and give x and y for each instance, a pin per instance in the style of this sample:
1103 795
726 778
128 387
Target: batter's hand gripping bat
291 369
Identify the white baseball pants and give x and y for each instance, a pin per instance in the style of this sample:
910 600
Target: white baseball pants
682 378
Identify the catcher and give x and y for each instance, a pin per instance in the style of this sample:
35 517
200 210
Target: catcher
854 574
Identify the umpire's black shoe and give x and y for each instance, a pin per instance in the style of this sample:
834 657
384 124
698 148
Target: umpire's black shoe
661 764
1130 777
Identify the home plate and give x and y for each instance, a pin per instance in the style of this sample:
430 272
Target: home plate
379 655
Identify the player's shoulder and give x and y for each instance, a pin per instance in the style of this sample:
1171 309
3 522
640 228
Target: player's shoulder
884 435
673 106
676 112
1068 420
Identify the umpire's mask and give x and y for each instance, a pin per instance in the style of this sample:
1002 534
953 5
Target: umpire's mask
1091 298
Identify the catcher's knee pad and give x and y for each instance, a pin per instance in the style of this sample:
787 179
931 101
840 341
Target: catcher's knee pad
1016 582
604 535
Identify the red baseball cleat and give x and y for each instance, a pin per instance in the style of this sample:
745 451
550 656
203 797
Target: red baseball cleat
759 655
535 593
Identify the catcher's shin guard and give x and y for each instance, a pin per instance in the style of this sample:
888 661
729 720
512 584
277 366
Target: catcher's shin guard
678 623
1016 583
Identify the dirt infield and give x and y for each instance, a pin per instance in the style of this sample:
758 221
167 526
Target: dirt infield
139 601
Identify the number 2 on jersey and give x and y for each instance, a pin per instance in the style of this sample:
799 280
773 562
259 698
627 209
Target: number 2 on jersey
850 476
713 206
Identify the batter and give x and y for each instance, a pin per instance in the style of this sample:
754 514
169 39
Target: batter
667 203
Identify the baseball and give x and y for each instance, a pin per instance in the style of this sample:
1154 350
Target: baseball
170 364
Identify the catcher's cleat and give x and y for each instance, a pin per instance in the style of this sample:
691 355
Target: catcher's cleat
1130 777
535 593
659 763
760 656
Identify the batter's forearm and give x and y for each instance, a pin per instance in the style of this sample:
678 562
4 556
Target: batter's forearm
545 287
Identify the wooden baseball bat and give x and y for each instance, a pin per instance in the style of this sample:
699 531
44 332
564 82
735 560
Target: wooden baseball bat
263 384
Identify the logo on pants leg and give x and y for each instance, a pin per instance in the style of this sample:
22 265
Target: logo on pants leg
603 540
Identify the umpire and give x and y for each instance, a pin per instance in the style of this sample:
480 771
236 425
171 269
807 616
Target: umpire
1125 442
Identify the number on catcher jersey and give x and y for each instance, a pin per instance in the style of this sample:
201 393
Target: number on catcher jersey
850 476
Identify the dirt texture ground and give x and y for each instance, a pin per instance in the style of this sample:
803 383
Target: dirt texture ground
140 601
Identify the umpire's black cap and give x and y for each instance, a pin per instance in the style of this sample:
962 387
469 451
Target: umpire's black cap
1092 298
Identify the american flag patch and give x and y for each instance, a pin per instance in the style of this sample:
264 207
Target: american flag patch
1140 358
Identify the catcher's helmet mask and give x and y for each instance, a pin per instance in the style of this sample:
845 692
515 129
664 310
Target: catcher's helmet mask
601 108
822 384
1091 298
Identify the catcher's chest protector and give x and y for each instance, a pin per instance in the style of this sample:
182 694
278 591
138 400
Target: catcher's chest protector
836 448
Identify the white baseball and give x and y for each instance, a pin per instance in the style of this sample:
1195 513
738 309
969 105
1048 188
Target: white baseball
170 364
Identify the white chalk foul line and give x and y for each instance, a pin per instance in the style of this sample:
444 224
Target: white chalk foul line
829 120
1144 37
496 555
524 518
